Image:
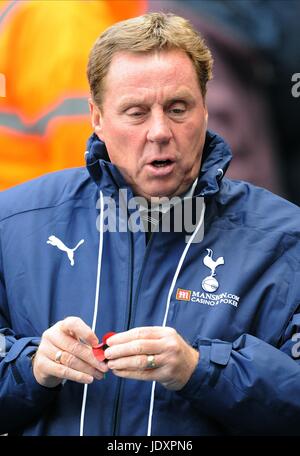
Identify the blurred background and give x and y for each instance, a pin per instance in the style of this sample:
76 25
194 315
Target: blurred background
44 47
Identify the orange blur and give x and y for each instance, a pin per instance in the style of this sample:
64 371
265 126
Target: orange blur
44 47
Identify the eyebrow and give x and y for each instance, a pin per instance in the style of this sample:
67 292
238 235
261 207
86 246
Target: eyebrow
181 95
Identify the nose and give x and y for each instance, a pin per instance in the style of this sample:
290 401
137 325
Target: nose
159 130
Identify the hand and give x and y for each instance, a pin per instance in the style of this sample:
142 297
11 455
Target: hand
175 360
77 362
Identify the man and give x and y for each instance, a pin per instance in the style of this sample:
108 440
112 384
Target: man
206 324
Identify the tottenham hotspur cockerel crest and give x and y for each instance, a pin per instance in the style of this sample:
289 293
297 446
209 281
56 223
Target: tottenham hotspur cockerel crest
210 283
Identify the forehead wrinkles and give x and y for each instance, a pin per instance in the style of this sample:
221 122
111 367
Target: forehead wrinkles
151 70
130 74
153 78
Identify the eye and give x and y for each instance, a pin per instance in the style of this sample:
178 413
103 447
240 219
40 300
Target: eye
134 112
177 109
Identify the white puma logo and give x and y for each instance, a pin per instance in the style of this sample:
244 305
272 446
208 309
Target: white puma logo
53 240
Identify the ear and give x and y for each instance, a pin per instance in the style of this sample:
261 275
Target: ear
96 119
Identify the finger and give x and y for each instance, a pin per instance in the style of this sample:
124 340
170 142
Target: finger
70 345
135 363
146 332
156 375
50 368
78 329
149 375
134 347
69 360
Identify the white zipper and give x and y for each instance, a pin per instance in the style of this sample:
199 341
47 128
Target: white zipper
182 258
96 305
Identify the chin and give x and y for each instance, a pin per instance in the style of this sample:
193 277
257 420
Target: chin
159 189
169 193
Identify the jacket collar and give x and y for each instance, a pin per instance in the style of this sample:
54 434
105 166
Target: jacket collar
215 161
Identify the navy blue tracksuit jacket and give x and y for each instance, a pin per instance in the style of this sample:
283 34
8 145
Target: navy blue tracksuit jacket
234 295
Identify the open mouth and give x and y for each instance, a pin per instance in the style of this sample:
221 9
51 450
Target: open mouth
161 168
161 163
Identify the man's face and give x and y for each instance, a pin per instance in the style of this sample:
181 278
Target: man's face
153 121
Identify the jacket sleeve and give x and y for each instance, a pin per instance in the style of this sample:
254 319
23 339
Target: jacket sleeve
21 398
250 386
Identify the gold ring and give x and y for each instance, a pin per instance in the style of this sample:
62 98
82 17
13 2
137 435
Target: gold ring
150 362
58 356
